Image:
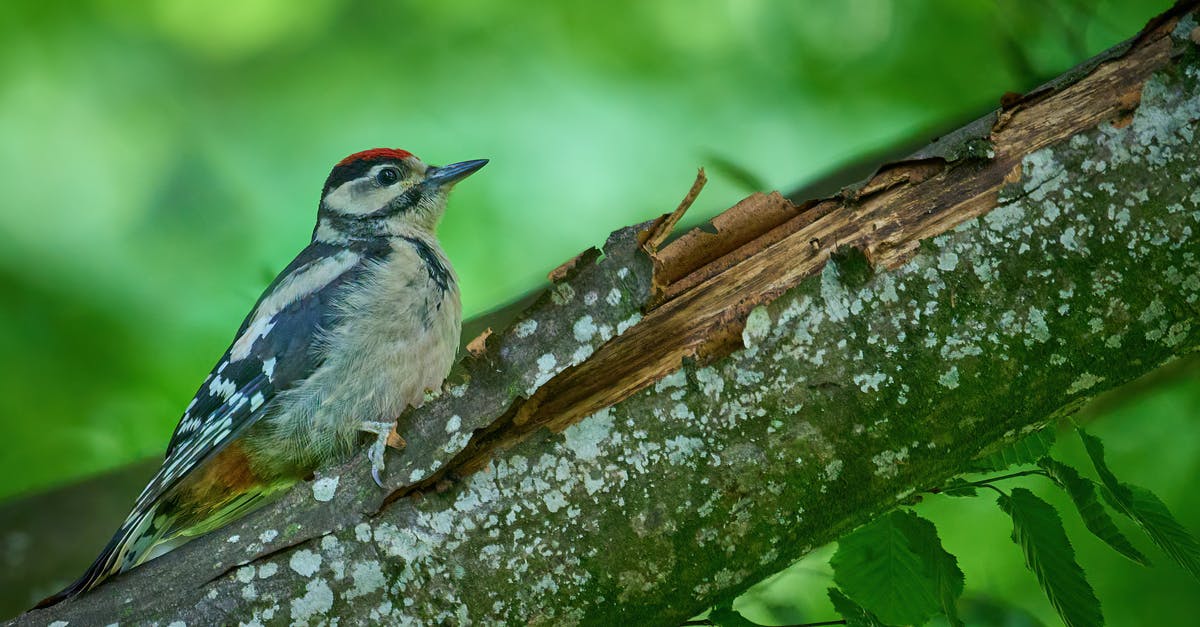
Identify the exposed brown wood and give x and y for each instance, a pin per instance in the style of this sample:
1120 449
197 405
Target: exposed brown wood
478 346
653 237
765 244
711 279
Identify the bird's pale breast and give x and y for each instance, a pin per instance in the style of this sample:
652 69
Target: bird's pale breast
396 338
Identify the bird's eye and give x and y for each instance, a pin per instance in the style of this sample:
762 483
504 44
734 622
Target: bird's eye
387 176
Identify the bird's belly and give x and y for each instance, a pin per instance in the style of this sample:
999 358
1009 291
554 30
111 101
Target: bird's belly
381 363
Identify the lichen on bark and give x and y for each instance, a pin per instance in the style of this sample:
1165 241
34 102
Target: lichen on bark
852 390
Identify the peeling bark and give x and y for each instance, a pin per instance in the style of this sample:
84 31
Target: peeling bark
662 429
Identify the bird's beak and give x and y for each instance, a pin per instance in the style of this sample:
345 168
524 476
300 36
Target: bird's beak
448 175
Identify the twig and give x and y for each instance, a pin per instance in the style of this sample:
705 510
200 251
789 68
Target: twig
658 233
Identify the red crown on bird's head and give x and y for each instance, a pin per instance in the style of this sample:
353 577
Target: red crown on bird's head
375 154
358 163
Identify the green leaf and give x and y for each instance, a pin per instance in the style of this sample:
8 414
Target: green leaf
1038 530
1152 515
854 613
726 616
1146 509
1027 450
1095 450
1083 494
896 568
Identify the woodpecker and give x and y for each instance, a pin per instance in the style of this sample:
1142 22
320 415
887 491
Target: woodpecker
355 329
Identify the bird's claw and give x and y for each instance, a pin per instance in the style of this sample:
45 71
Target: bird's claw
381 430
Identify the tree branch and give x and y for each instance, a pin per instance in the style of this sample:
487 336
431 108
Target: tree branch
663 428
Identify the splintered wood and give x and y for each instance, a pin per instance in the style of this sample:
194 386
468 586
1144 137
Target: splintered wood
708 280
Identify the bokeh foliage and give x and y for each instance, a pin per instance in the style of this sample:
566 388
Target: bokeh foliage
161 161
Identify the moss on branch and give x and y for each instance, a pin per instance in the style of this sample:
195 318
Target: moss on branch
852 389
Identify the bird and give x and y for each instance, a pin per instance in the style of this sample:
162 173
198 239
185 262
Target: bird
359 326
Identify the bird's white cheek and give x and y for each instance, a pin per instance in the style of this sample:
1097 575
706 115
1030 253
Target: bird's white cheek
339 199
347 201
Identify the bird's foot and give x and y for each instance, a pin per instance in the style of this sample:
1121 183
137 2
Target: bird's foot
382 430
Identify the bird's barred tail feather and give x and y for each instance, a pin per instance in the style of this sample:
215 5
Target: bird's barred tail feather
130 545
145 530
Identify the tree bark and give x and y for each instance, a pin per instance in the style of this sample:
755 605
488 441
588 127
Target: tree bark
667 425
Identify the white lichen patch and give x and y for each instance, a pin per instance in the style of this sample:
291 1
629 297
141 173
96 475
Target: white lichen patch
547 366
581 354
680 448
325 488
837 299
711 382
526 328
305 563
1085 381
676 379
245 574
887 463
833 470
1036 327
947 261
584 329
1069 239
1004 218
1043 174
870 382
949 379
758 326
316 603
629 322
268 570
368 578
585 437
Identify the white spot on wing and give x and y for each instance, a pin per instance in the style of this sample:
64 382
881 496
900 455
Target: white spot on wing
222 387
269 368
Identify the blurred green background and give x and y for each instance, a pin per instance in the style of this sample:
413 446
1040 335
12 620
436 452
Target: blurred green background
161 160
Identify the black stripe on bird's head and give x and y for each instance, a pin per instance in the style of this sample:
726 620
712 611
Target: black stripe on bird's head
385 192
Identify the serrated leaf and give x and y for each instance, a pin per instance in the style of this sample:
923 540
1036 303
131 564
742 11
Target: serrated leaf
895 567
1038 530
1152 515
959 487
1083 494
1027 450
1146 509
726 616
1095 450
853 613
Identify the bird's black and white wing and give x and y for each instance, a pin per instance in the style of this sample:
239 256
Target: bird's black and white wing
273 351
